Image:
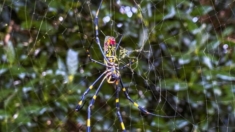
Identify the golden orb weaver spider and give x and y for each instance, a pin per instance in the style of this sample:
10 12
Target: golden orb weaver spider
111 74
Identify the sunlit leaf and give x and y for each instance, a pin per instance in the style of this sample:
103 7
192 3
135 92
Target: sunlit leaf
72 61
227 77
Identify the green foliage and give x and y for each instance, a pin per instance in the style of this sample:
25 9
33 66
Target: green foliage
184 65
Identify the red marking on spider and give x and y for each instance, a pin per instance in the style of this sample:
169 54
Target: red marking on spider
111 41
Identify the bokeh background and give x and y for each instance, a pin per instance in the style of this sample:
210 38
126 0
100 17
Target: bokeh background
184 64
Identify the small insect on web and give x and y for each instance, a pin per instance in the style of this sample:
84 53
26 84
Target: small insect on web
111 74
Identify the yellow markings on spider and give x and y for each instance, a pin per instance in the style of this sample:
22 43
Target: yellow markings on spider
88 53
109 81
123 89
117 100
71 77
123 127
80 103
97 12
91 87
88 122
94 97
136 104
117 82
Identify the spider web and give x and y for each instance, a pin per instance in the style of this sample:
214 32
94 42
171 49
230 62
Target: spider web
183 52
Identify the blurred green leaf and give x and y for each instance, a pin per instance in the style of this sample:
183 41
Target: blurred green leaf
10 52
201 10
4 114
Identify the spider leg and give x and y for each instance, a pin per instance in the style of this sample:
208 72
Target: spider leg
80 103
138 106
93 60
97 31
118 107
128 64
119 42
92 103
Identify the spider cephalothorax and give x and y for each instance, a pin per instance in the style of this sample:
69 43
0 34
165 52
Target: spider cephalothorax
110 49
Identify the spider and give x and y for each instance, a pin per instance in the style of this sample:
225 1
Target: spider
111 74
